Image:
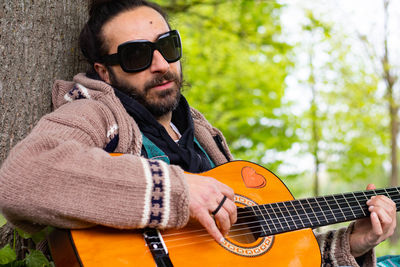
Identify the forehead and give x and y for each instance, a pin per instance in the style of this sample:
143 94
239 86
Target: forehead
139 23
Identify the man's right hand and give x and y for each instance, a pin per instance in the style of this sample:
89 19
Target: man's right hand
205 195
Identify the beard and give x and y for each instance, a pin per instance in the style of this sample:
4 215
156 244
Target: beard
158 103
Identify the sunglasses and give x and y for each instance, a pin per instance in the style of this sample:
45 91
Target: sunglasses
134 56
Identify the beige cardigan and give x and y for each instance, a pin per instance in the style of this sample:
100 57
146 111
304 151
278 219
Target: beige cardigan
60 175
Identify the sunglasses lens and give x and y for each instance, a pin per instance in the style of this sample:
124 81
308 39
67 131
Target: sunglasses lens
136 56
170 47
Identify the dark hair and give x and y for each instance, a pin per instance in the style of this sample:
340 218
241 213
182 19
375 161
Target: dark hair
91 41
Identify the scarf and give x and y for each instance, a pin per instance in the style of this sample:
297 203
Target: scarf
185 153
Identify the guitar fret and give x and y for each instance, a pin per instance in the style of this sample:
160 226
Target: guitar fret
276 217
262 226
314 202
282 216
339 208
330 209
298 215
306 206
395 196
361 208
362 199
313 212
288 218
271 220
303 214
291 215
345 207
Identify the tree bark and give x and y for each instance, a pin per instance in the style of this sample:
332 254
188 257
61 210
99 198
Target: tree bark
38 44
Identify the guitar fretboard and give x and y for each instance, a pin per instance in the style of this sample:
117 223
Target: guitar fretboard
293 215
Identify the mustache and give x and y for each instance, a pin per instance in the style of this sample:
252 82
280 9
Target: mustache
168 76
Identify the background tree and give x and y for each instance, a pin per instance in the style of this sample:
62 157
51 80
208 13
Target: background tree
38 43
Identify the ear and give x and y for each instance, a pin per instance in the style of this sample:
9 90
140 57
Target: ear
102 72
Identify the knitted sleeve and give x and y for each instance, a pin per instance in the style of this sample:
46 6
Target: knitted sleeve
335 249
60 176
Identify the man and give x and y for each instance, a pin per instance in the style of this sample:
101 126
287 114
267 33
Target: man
130 102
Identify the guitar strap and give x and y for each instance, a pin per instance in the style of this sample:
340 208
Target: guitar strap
157 247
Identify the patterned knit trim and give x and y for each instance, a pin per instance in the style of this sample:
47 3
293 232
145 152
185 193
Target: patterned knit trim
167 195
147 196
84 91
327 260
334 246
77 92
157 196
112 131
158 204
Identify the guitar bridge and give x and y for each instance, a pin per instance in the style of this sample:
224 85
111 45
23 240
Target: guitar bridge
157 247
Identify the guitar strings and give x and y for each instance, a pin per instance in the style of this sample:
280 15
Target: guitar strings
203 232
299 216
319 215
298 203
282 219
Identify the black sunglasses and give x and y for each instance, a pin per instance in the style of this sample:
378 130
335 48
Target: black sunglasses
134 56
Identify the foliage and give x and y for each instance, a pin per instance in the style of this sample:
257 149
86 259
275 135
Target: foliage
3 220
351 116
235 65
34 258
7 255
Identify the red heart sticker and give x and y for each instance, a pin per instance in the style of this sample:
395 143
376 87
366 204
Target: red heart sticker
252 179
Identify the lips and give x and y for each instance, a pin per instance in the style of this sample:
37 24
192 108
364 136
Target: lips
163 85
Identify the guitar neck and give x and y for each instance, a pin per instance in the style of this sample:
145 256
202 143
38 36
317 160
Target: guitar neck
314 212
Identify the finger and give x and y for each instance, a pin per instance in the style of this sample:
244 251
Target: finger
371 187
383 202
219 206
209 224
383 216
376 224
231 208
226 190
223 222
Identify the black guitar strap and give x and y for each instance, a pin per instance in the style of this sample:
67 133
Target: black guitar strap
157 247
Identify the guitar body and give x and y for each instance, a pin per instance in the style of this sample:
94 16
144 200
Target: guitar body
192 246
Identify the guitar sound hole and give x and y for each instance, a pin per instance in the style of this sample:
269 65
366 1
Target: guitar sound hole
246 230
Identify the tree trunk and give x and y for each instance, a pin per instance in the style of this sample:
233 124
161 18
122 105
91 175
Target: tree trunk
38 44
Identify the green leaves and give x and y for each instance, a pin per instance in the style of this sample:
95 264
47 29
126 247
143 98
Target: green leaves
3 220
34 258
236 67
7 255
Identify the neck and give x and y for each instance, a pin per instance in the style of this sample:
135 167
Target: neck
165 121
281 217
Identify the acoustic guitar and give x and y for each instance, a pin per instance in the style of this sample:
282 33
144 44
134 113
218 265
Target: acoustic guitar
273 229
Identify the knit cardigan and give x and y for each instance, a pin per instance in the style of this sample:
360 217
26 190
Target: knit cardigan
60 174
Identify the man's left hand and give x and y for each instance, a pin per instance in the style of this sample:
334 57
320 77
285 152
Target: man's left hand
369 232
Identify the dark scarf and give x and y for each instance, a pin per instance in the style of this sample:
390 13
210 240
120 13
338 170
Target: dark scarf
185 153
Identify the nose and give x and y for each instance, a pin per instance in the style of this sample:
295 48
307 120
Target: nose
159 64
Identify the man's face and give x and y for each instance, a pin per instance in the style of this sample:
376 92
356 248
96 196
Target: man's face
157 87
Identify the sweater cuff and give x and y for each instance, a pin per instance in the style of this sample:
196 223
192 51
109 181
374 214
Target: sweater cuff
179 204
343 254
